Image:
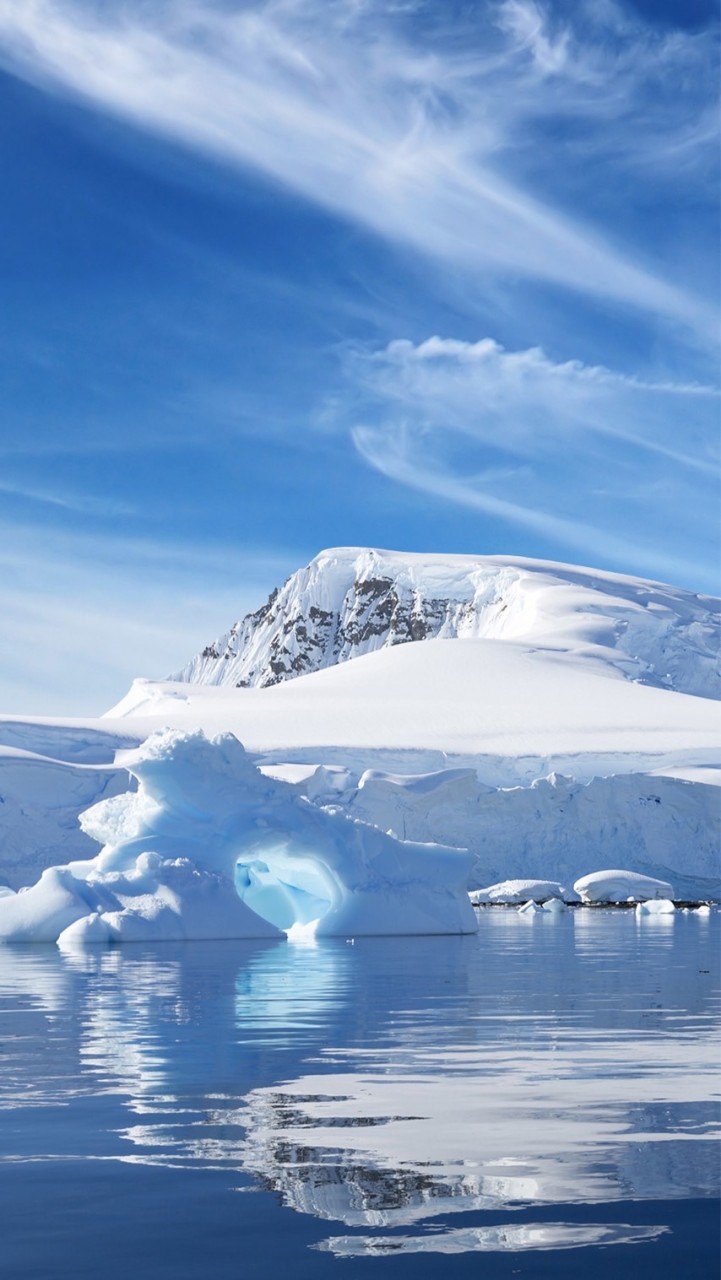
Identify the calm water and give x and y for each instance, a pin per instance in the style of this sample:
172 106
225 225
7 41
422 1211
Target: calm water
537 1101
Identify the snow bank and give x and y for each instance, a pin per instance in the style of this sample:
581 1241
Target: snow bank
507 699
621 886
208 847
40 799
516 891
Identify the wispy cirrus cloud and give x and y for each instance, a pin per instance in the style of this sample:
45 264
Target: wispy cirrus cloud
83 504
82 616
592 460
529 405
421 135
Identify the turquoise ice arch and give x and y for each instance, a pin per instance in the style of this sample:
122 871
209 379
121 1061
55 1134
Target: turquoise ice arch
208 846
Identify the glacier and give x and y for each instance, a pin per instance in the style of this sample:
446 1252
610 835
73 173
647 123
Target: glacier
537 721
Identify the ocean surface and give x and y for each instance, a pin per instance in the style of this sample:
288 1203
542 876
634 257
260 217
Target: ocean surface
540 1100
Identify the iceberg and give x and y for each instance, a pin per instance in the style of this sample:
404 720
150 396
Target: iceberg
555 906
621 886
210 847
530 908
152 900
656 907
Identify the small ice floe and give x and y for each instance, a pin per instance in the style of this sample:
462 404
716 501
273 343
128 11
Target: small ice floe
621 886
656 907
554 907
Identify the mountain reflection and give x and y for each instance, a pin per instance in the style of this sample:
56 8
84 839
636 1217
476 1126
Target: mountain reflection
583 1119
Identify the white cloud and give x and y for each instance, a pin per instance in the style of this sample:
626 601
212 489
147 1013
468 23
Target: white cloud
529 403
590 459
395 455
349 107
528 25
84 504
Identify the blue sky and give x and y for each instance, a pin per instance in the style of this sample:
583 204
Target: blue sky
288 275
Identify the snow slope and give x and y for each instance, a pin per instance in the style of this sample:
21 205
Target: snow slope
352 601
500 701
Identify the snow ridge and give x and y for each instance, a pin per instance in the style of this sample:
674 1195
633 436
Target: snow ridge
353 601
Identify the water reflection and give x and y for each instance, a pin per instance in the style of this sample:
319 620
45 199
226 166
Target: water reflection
573 1078
505 1239
580 1120
292 991
388 1083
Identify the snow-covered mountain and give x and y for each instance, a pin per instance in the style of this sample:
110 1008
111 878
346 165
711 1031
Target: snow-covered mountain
548 725
352 601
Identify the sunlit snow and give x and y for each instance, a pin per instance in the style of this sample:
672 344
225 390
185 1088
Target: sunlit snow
510 727
208 847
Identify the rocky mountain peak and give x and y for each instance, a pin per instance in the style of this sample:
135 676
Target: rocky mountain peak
352 601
